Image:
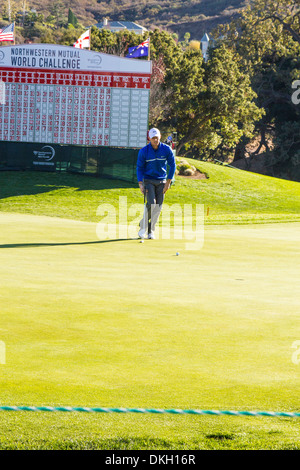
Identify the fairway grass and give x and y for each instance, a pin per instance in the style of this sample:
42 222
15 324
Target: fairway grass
115 323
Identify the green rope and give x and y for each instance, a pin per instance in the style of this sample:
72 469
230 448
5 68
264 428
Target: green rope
147 411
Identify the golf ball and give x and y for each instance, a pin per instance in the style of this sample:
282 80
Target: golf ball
177 254
142 241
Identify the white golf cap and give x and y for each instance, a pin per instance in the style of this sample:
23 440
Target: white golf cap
154 133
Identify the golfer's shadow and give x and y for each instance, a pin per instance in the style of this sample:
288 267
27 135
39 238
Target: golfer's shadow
35 245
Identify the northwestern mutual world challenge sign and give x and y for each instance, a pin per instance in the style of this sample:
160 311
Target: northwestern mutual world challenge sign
62 95
45 58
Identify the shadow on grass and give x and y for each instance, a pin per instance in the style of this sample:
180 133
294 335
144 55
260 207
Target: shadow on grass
36 245
16 183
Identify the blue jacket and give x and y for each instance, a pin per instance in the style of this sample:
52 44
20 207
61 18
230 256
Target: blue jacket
152 164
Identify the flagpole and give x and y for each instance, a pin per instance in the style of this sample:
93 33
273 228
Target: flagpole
14 35
149 49
90 37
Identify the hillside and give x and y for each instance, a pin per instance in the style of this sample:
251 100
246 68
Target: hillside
193 16
229 196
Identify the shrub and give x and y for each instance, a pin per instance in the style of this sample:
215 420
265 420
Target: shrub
184 168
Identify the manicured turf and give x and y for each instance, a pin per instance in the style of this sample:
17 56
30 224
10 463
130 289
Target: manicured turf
117 323
89 321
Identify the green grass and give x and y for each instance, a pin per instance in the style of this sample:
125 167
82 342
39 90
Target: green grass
232 196
90 432
85 324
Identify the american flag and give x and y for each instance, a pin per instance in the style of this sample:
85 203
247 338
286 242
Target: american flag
7 34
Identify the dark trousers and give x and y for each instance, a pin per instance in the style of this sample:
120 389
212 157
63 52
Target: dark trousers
155 198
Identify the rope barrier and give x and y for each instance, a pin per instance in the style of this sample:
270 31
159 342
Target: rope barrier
149 411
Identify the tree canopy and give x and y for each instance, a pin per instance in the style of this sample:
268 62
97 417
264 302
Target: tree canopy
241 102
267 38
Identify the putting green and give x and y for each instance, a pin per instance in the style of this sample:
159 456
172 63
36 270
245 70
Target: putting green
118 323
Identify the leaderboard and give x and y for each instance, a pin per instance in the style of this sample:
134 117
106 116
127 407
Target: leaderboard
98 100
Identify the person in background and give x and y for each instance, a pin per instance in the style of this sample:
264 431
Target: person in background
169 142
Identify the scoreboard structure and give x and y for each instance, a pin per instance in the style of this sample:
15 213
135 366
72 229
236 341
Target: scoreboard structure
64 95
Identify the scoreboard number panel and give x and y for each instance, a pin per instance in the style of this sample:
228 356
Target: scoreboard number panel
62 95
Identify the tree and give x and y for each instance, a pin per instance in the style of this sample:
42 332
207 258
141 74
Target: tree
164 45
33 26
58 13
72 19
284 12
266 37
9 10
69 35
213 103
103 40
185 42
124 40
196 45
160 103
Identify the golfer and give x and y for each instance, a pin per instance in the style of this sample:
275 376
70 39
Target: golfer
153 179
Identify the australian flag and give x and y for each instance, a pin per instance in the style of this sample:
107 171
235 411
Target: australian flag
142 50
